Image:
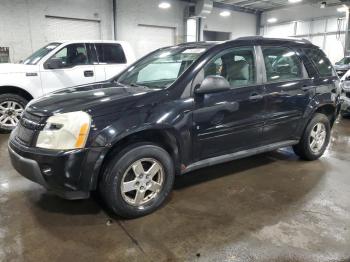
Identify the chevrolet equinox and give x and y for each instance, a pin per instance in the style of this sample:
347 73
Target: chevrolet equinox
177 109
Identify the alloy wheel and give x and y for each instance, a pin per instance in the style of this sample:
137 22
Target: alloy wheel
317 138
10 113
142 181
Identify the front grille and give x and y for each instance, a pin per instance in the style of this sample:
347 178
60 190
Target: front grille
28 128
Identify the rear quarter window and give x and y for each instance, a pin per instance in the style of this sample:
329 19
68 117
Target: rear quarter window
110 53
320 61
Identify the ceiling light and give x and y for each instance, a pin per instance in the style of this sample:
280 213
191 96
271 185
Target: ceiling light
164 4
272 20
225 13
342 9
294 1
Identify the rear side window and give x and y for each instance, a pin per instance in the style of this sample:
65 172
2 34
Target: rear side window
110 53
281 64
320 61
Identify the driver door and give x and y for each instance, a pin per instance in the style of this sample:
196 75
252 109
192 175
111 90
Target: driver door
230 120
76 69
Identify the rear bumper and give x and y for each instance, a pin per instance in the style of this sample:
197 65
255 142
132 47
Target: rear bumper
59 172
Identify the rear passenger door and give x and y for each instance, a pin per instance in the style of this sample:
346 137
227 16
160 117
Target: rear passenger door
110 60
288 91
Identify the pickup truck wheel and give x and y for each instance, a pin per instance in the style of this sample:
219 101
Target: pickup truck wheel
137 180
11 109
315 138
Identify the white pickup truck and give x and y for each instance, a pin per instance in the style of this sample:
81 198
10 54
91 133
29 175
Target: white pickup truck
56 66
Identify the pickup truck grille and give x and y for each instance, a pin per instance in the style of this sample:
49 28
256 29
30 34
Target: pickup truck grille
28 128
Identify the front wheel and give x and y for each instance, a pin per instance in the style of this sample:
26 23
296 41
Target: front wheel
137 180
11 109
315 138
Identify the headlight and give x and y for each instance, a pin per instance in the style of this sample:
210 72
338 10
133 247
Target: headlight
65 131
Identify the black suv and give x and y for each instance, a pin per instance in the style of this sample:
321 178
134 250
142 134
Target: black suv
176 110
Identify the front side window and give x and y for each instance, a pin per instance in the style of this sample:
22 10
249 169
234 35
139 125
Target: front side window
39 54
281 64
162 68
72 55
110 53
320 61
237 66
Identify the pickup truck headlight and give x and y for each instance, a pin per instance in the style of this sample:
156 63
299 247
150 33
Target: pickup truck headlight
65 131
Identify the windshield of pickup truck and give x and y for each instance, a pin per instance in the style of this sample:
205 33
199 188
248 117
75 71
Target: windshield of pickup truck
39 54
160 69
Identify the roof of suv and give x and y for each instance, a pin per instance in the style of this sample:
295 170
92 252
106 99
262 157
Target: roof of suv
253 39
88 41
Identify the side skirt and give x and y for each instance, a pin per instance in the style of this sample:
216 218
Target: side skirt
237 155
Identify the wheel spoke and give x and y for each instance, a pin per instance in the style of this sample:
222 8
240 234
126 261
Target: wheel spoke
313 133
128 186
153 170
155 187
140 195
138 168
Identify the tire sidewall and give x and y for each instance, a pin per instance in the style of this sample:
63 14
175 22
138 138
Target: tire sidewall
318 118
114 174
11 97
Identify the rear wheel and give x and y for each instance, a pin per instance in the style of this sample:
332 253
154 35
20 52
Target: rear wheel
315 138
11 109
137 180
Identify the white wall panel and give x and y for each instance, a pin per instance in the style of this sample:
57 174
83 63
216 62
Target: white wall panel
303 27
334 47
318 26
160 37
71 29
283 30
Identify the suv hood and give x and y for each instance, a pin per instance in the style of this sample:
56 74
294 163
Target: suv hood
16 68
342 67
97 99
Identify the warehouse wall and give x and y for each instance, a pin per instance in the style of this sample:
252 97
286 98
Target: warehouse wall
23 22
135 16
238 24
323 27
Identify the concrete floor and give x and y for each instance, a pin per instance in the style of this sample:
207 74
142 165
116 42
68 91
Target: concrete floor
271 207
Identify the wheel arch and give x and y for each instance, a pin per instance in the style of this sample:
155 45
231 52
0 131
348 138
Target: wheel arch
163 137
15 90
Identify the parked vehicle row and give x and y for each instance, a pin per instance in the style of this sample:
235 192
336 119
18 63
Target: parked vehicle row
176 110
56 66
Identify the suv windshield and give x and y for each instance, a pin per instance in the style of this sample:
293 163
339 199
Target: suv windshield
344 61
36 56
162 68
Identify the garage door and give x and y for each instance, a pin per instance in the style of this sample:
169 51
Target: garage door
71 29
151 38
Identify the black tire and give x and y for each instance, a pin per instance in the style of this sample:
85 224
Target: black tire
110 183
303 149
15 98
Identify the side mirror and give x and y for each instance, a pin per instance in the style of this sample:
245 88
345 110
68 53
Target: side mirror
54 63
212 84
337 63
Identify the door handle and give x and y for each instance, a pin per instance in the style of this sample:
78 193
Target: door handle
89 73
255 97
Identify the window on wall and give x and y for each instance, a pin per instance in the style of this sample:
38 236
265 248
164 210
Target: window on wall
281 63
236 65
321 61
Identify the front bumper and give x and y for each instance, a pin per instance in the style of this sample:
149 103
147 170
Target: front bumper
345 104
59 172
